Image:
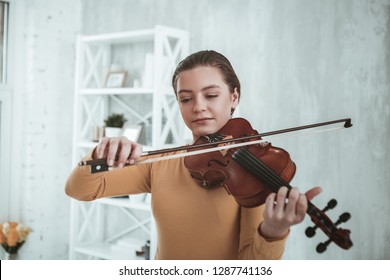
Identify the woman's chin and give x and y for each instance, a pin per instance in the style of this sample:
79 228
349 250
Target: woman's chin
202 132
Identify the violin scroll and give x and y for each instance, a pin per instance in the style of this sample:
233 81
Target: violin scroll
339 236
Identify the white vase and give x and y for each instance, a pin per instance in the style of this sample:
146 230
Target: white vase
9 256
112 132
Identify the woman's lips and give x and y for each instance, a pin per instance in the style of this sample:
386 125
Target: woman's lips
201 120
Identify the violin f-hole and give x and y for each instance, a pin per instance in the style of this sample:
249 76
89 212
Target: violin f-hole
210 163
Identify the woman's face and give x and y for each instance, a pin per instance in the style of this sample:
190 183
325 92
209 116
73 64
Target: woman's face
205 100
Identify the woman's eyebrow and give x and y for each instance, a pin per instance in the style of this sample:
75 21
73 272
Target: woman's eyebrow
184 91
211 87
203 89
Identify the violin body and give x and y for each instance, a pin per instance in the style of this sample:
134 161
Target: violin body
219 169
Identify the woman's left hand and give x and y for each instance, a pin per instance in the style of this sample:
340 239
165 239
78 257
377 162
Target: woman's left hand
284 209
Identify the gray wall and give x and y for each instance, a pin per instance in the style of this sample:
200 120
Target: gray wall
299 62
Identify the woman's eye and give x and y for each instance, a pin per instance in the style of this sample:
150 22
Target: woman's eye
185 100
212 95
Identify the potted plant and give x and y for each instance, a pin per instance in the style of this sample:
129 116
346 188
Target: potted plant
113 125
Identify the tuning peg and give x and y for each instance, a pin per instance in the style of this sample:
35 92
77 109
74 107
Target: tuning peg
343 218
331 204
311 231
321 247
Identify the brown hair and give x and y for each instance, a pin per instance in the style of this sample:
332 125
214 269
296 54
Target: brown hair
209 58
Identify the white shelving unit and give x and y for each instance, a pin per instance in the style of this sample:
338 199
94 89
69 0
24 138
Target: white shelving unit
115 228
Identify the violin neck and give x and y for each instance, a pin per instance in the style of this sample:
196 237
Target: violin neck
256 167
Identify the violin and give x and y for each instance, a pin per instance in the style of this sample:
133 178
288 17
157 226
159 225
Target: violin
249 169
251 173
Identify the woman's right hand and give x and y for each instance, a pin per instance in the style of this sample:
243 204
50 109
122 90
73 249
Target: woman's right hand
120 148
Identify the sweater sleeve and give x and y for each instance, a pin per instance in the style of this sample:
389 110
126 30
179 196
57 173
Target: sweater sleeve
83 185
252 244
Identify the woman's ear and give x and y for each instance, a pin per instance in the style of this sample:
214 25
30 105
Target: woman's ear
235 97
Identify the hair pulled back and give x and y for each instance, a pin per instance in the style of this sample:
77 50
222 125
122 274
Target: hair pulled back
209 58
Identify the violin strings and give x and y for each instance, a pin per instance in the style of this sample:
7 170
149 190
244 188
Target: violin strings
256 166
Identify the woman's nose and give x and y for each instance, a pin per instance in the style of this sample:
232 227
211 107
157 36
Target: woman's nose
199 105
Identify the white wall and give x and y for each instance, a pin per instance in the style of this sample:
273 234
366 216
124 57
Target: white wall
299 62
42 119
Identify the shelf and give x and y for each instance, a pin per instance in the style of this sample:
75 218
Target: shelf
105 251
87 144
143 35
120 37
90 145
124 202
115 91
94 102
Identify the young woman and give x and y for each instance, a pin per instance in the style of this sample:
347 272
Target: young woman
193 222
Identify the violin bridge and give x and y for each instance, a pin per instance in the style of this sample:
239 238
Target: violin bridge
211 138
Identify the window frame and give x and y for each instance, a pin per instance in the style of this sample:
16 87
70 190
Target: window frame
5 122
4 53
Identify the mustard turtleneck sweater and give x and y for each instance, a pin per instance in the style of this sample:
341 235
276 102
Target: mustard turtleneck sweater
192 222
